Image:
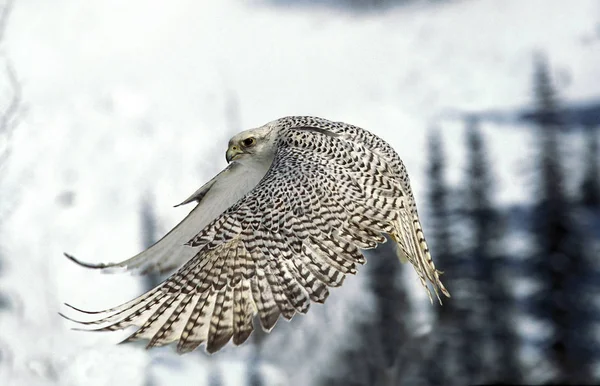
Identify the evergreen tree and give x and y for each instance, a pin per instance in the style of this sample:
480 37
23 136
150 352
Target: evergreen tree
377 358
358 364
559 256
590 221
388 332
446 334
491 308
392 310
590 188
476 272
439 233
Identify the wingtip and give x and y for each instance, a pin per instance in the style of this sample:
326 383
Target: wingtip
66 317
84 311
189 200
105 268
89 326
75 321
83 263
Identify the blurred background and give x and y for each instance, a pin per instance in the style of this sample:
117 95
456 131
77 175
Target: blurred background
111 112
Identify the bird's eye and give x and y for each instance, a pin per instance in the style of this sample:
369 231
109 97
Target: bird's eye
250 141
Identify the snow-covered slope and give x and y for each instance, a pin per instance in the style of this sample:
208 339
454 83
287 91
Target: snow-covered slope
125 98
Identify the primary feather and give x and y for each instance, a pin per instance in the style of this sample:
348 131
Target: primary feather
283 222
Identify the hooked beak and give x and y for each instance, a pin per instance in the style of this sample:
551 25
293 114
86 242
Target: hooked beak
232 152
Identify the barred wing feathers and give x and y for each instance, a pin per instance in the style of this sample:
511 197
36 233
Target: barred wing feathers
280 247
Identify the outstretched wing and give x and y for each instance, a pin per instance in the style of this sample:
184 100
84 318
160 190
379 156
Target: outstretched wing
169 252
298 232
411 244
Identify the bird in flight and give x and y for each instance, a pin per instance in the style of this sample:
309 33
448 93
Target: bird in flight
289 217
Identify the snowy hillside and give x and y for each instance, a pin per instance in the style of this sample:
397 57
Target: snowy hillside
129 98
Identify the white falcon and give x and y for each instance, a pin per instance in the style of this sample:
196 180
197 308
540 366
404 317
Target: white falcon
286 219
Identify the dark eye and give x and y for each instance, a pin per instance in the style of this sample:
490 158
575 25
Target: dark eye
248 142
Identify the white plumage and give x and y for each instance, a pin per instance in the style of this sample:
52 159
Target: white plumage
283 222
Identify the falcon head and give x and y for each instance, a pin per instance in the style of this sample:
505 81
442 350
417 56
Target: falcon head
254 144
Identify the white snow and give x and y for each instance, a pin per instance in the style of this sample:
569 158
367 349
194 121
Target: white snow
125 98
